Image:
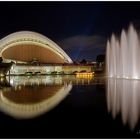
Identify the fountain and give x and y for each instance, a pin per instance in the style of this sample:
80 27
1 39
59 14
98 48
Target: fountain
123 55
122 61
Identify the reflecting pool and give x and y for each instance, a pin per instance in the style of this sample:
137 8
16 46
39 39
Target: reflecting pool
69 107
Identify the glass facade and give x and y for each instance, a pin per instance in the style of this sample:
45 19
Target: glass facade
54 69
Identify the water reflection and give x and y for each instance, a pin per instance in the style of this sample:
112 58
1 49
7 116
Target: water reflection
50 80
25 97
123 97
28 97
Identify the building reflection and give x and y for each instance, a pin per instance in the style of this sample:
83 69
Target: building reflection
53 80
23 99
123 97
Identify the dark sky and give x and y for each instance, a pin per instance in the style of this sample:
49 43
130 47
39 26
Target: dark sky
80 28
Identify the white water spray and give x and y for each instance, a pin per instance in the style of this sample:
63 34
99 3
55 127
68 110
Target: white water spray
123 55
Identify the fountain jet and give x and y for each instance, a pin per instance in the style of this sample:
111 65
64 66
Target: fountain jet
122 55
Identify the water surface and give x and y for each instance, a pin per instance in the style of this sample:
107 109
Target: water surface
69 107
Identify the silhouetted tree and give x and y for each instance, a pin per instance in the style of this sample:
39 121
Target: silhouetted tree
100 61
100 58
74 62
1 59
83 61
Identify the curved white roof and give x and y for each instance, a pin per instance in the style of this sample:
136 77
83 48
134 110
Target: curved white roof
29 37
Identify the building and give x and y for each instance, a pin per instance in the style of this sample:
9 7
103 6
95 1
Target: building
34 53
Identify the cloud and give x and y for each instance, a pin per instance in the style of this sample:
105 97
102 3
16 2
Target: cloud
83 47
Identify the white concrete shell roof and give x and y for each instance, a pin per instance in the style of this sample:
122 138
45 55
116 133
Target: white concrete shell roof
32 38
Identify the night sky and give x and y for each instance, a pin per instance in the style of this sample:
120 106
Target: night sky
80 28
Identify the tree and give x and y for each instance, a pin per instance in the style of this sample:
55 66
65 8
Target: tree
1 59
100 61
100 58
83 61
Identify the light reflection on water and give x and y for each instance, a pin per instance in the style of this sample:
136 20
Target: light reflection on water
51 80
25 97
123 97
28 97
